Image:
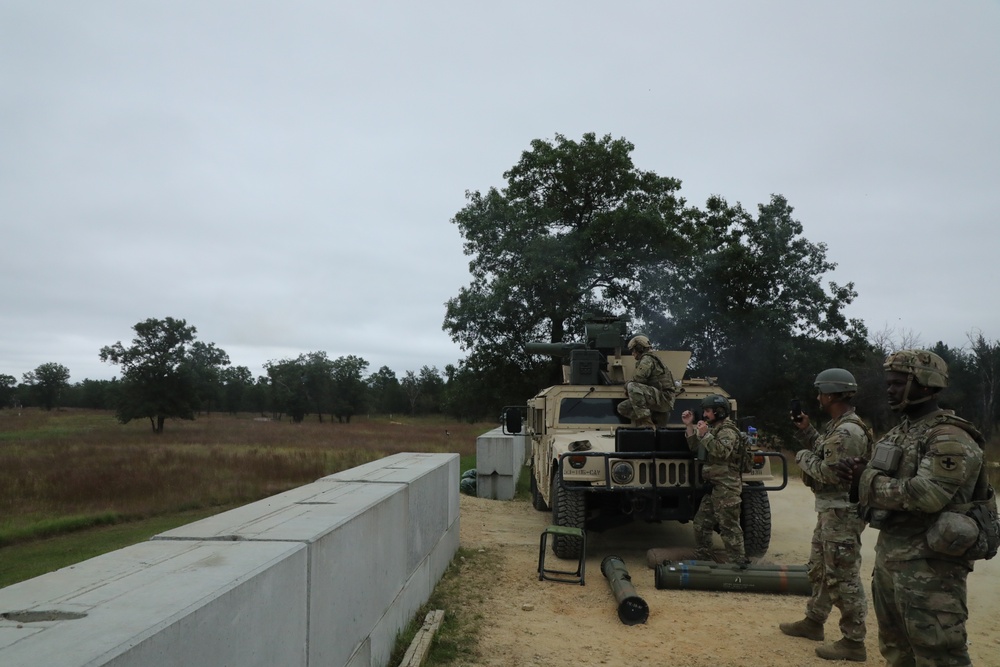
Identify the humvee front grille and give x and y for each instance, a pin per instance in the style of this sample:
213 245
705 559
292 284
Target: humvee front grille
666 473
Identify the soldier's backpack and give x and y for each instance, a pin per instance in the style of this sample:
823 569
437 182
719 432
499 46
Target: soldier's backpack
743 456
984 513
983 508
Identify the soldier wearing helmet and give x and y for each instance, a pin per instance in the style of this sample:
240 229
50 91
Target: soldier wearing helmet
835 551
921 478
716 440
651 388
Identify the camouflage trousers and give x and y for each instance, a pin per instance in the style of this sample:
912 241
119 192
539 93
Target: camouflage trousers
835 571
921 610
722 508
643 400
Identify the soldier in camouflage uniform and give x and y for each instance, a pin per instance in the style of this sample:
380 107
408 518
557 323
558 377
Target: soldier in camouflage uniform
716 440
921 469
835 552
651 388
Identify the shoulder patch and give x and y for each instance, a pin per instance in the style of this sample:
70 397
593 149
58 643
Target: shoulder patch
948 459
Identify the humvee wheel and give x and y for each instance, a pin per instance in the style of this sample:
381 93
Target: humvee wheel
755 519
536 497
568 509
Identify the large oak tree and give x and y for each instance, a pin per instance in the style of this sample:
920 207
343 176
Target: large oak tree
578 228
164 371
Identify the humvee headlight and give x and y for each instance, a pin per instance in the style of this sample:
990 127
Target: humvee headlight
622 472
577 462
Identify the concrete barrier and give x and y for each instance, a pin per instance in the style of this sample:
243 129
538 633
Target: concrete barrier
325 574
499 461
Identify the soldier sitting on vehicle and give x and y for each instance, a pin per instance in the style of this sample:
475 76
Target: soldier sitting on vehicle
651 388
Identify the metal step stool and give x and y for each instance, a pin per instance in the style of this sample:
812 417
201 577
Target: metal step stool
564 576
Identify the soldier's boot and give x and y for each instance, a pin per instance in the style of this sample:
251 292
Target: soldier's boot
644 422
843 649
807 628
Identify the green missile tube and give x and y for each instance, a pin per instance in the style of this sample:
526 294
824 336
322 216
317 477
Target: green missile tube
632 609
710 576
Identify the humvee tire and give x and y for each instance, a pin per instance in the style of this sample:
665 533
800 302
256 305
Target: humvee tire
755 519
568 509
536 497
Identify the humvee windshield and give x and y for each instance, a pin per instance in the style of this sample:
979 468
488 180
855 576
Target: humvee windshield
604 410
590 411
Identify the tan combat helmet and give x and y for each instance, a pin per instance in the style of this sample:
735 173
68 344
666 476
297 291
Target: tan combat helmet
639 342
921 366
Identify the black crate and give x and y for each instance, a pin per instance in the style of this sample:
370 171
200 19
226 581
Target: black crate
585 367
672 441
635 440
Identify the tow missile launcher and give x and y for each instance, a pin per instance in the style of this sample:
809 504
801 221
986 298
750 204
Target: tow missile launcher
702 575
592 470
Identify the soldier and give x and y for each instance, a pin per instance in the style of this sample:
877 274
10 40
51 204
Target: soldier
718 444
651 388
835 552
921 469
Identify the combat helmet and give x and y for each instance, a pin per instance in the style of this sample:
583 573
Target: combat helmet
926 368
640 341
718 403
921 366
836 381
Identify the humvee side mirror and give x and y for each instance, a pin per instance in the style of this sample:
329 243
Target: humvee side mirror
512 420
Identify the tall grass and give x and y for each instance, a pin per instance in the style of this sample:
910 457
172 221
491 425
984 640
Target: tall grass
66 470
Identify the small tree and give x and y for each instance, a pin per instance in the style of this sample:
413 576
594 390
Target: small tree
349 387
385 392
8 390
161 371
47 383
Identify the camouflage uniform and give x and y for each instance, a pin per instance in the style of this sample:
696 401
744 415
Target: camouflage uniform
650 390
721 451
835 553
919 594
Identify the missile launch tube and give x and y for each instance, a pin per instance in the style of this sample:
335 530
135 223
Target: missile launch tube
632 609
711 576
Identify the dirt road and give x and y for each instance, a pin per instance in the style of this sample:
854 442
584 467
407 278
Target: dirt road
542 623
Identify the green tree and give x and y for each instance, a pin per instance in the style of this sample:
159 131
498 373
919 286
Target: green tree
288 391
431 390
752 308
985 358
578 228
411 387
237 383
318 379
47 383
349 387
384 391
206 362
160 371
8 390
92 394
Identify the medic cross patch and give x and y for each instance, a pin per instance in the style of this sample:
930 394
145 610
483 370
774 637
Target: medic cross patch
947 465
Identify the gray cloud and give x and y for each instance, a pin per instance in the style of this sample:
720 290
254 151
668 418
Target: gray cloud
283 176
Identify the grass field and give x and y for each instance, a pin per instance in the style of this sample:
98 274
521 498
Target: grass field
76 483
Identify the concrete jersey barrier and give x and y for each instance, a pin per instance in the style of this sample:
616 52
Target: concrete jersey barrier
325 574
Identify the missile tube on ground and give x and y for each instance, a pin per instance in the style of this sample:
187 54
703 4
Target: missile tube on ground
632 609
711 576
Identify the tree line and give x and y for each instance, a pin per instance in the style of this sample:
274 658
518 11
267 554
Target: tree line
166 373
577 229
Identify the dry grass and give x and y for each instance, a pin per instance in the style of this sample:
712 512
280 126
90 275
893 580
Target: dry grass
71 469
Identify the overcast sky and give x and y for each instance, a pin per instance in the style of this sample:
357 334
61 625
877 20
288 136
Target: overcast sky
283 175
